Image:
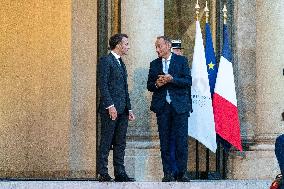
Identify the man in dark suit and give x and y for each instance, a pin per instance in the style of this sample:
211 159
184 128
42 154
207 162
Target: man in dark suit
169 79
115 109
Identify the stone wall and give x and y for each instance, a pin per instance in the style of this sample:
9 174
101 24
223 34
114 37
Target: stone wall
47 96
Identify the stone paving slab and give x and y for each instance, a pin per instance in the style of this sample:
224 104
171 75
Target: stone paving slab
224 184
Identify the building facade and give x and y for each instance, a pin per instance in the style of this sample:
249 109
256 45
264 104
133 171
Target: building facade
49 52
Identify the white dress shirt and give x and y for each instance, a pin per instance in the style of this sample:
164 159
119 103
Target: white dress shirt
166 65
116 56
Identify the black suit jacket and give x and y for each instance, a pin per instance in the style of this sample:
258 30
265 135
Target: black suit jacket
179 88
112 81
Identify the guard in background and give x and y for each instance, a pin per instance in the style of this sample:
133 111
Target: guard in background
176 49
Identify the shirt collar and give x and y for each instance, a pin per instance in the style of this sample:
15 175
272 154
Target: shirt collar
169 58
115 55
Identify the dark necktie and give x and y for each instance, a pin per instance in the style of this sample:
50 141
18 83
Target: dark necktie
119 61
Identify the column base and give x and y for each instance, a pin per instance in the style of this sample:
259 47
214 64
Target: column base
142 161
259 162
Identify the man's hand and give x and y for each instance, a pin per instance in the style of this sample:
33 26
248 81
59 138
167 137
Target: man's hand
168 78
159 82
112 113
163 79
131 116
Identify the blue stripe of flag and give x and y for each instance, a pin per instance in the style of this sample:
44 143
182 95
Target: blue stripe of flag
212 68
226 51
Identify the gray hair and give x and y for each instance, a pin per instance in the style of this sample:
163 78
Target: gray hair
166 39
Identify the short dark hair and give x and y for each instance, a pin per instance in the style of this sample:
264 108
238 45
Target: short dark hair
115 39
165 38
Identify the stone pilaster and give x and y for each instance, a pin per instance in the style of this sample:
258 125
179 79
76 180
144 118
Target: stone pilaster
82 139
143 21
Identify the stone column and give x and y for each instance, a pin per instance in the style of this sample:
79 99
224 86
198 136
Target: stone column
143 21
269 94
269 80
269 68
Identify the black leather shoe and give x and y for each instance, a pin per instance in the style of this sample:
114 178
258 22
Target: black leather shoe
105 178
123 178
168 178
184 177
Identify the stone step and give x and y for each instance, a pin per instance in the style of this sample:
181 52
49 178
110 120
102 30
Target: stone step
221 184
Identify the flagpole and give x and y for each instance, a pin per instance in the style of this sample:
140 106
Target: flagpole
225 14
197 7
207 12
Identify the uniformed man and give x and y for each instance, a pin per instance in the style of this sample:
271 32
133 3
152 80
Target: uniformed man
176 47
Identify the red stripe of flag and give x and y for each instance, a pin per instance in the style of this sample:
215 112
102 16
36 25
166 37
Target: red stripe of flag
226 114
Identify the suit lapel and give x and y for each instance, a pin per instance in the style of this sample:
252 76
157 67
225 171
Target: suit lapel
123 69
172 64
120 67
160 66
114 60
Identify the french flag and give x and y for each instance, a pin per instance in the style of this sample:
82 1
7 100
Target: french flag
225 108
